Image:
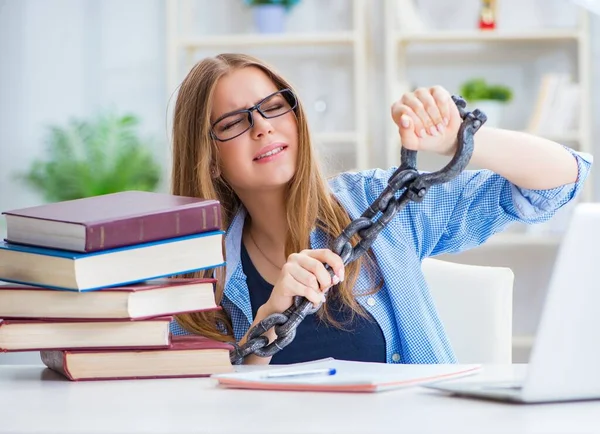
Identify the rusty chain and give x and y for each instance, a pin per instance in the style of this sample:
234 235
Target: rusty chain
415 187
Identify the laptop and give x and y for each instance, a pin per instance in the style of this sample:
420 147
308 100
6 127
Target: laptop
565 360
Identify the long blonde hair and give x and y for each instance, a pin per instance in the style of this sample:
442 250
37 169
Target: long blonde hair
309 204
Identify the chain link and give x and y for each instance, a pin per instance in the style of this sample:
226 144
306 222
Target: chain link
415 186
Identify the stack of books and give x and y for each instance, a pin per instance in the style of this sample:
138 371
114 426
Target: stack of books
93 284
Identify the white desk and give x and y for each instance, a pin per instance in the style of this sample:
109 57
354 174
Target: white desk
34 399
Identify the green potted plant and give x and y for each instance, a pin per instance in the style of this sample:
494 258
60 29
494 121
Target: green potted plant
489 98
269 15
89 158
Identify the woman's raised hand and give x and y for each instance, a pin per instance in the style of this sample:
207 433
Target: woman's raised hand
428 120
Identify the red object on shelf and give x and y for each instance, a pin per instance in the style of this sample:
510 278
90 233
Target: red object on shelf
487 15
484 25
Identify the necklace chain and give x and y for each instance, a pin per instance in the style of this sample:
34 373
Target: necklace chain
261 252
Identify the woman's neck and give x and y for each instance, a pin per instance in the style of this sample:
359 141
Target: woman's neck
267 221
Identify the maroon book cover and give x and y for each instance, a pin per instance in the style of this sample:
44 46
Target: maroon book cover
58 360
129 217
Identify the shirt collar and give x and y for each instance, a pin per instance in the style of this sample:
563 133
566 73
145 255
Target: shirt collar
233 239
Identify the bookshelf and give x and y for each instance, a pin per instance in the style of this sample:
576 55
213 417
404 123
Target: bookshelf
397 68
522 240
228 41
348 144
530 254
344 147
456 36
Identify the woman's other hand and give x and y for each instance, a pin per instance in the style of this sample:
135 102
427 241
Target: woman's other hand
304 274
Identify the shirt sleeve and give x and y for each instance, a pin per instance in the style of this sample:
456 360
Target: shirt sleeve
464 212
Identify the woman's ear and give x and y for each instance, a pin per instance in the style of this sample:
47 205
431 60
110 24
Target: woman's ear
215 172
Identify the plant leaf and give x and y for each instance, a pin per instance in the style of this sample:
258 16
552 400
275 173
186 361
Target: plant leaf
91 157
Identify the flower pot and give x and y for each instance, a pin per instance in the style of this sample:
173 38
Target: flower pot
269 18
492 109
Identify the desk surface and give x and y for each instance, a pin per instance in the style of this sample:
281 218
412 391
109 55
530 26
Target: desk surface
35 399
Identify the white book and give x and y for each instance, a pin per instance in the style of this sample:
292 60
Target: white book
544 115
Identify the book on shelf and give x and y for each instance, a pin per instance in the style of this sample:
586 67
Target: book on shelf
557 107
61 269
188 356
153 298
111 220
36 334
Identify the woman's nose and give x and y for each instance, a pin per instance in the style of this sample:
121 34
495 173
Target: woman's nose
261 126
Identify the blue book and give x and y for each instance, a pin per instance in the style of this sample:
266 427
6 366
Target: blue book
73 271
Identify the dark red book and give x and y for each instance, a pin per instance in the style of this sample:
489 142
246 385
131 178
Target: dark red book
112 220
188 356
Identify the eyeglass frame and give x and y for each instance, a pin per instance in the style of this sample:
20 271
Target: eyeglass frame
255 108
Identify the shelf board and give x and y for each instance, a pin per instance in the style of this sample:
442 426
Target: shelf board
568 136
488 36
335 137
524 341
517 239
255 39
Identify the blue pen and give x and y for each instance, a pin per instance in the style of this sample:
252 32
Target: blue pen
324 371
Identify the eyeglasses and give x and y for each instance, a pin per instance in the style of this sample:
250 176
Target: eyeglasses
235 124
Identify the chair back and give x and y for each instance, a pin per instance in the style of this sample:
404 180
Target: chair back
475 306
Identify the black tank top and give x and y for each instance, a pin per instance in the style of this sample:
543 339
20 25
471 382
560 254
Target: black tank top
361 339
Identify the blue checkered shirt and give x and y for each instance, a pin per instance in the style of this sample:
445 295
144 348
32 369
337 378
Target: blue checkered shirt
454 216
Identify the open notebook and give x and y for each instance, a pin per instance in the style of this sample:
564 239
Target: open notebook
330 375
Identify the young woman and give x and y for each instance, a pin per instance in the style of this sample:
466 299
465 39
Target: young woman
240 136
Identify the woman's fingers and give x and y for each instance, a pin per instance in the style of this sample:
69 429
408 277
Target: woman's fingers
444 102
416 105
429 108
313 267
327 256
421 101
301 274
402 115
409 125
293 287
313 261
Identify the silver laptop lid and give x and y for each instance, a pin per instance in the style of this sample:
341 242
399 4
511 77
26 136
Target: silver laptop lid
565 360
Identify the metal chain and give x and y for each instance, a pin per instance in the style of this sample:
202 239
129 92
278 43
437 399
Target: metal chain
415 187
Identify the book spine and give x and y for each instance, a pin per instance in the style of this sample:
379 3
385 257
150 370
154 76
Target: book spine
56 361
155 227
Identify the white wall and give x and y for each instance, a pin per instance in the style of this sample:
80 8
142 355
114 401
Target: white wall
64 58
